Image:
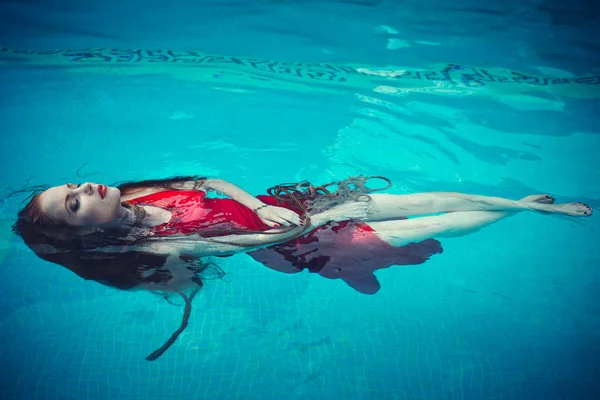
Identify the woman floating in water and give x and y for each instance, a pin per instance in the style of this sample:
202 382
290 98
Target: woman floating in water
155 234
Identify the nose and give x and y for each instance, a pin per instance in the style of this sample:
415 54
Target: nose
86 188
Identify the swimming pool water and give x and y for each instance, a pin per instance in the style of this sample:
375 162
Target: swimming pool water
509 312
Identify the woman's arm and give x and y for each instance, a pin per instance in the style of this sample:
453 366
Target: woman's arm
133 191
272 216
219 185
232 191
204 184
227 245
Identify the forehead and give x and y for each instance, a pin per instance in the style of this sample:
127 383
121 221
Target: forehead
52 202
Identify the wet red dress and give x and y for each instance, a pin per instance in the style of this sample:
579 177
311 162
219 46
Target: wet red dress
349 250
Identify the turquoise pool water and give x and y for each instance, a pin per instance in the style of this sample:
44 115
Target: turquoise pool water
265 92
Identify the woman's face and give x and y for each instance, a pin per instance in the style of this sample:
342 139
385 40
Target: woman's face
84 205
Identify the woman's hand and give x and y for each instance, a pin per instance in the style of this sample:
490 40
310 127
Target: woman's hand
274 216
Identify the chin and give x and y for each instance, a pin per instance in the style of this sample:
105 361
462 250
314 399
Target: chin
112 194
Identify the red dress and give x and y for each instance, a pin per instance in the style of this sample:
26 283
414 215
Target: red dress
349 250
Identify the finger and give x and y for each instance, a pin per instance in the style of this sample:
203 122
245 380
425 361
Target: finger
298 219
270 223
295 220
292 217
280 220
275 221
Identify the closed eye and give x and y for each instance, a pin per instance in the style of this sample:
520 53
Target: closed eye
71 203
74 205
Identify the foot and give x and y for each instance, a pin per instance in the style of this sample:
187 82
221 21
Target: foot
572 209
539 198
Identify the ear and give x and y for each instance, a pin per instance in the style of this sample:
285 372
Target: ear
365 284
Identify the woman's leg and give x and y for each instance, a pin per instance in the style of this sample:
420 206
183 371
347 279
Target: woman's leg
389 206
360 274
402 232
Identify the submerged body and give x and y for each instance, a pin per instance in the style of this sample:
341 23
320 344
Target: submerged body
154 234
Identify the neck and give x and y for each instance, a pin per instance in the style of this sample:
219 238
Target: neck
133 215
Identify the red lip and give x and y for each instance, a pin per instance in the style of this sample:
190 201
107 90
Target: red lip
102 191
